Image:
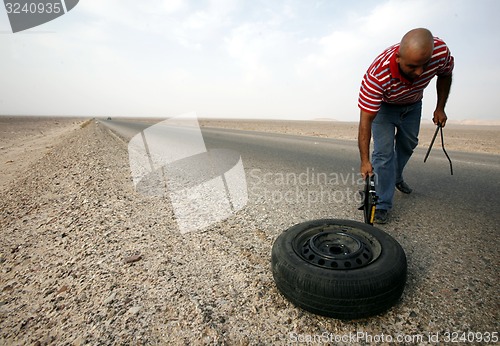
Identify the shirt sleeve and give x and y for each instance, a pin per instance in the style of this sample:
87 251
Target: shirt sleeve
370 94
447 66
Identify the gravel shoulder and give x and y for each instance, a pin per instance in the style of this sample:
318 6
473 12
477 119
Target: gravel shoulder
86 260
24 140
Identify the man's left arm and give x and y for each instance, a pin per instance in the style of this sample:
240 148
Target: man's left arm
443 86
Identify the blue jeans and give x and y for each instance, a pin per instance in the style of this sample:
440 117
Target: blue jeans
395 135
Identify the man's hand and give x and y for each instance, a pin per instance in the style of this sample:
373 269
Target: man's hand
439 117
443 86
366 169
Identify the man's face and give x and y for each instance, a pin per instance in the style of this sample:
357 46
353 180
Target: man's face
413 65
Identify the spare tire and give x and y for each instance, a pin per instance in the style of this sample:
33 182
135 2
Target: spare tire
339 268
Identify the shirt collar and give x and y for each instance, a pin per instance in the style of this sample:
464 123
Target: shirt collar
393 65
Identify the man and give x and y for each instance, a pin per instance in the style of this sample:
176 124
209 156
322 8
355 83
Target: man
390 101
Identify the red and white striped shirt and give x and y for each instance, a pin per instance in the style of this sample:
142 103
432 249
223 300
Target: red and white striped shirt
383 81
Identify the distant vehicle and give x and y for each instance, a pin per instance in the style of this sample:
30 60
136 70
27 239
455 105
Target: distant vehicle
109 118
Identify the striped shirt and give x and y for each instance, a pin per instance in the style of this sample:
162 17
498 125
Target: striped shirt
383 81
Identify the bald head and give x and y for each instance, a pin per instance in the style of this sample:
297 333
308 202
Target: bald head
417 42
415 51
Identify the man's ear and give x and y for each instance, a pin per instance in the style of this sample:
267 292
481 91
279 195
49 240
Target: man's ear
398 57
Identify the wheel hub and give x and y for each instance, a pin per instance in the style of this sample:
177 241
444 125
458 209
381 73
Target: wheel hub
337 248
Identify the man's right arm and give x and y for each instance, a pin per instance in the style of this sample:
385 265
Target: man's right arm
364 137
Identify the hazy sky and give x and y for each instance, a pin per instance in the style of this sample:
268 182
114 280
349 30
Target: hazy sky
237 58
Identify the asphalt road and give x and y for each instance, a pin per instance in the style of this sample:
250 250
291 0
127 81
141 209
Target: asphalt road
276 159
